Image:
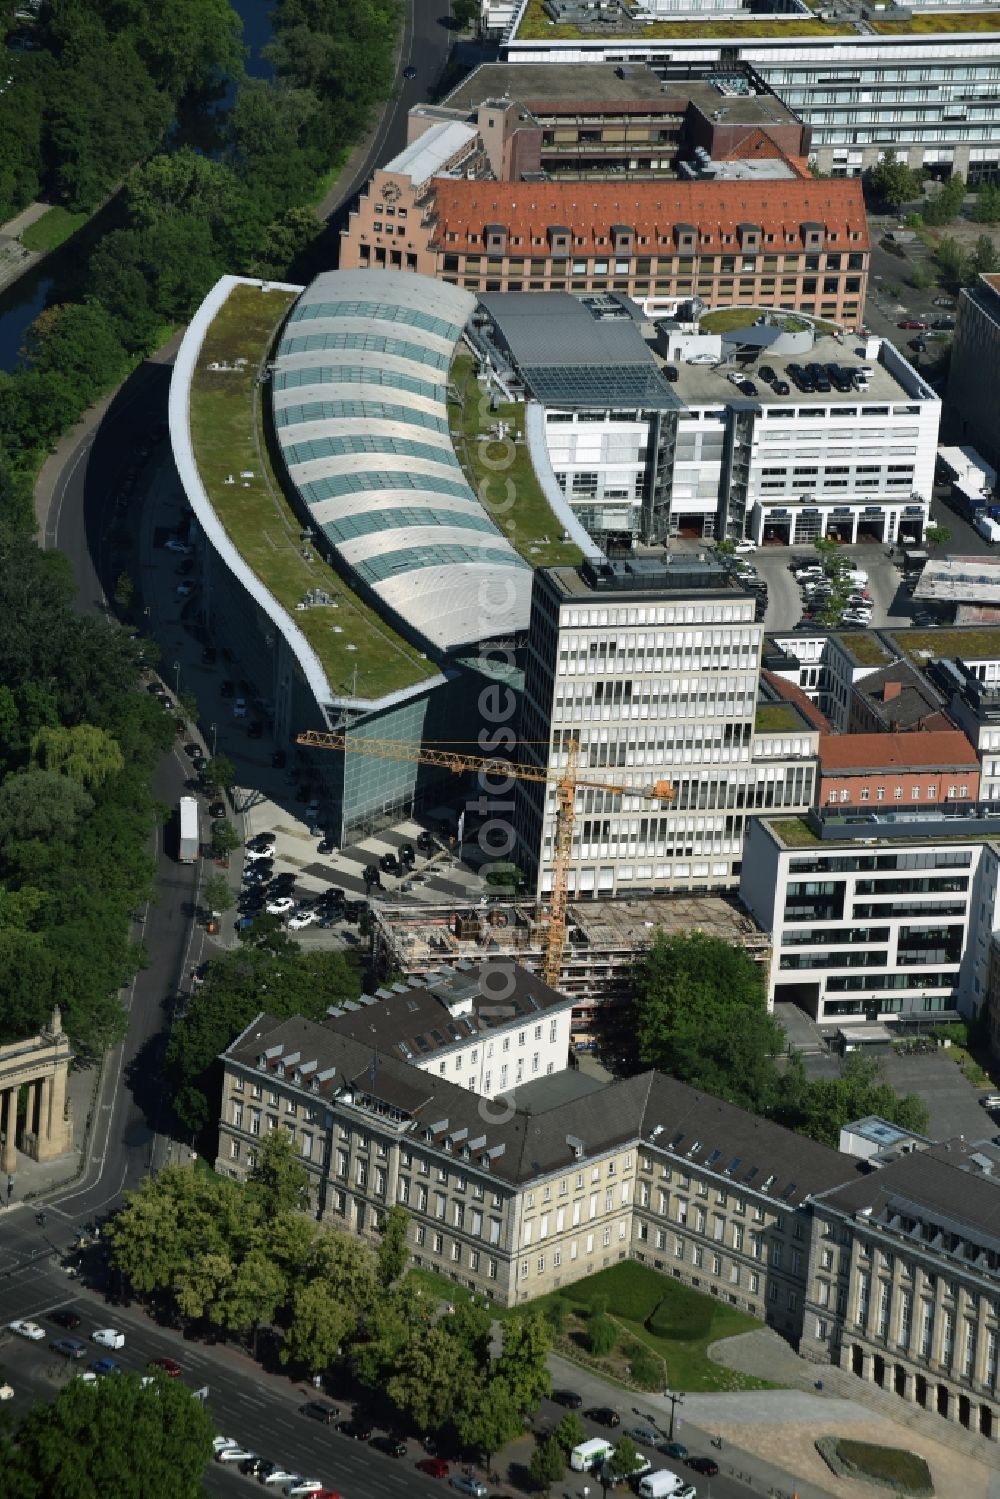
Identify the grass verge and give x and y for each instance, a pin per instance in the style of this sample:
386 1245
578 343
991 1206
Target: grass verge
360 654
53 229
528 522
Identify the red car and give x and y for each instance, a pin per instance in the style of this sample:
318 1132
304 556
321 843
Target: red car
436 1467
913 323
170 1366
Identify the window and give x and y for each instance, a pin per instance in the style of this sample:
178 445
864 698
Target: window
438 1243
541 1264
420 1234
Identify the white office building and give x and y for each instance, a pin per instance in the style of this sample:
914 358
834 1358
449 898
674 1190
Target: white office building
881 917
652 668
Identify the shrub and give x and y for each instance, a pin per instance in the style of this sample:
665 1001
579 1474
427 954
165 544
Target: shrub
889 1467
602 1334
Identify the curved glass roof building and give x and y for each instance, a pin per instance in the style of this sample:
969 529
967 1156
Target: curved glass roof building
359 398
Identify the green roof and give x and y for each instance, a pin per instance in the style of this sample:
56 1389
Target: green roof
536 26
778 718
360 654
969 643
866 649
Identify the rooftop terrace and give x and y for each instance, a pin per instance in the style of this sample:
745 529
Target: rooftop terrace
360 655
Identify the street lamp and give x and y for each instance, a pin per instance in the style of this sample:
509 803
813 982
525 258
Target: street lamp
177 679
214 728
675 1401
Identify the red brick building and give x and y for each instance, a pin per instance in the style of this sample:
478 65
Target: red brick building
884 770
792 242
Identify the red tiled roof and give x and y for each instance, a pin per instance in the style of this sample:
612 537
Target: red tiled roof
794 694
653 209
922 750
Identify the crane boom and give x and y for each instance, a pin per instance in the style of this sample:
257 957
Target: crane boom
565 779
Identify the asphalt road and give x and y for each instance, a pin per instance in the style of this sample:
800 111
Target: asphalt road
254 1408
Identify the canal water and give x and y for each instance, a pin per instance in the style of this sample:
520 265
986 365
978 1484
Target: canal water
21 303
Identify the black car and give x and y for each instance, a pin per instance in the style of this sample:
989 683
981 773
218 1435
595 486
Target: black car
410 71
569 1398
425 843
943 324
69 1348
391 1446
359 1429
407 856
261 841
65 1318
283 881
670 372
355 909
705 1465
326 846
781 388
319 1410
217 809
603 1415
371 875
766 373
747 388
389 864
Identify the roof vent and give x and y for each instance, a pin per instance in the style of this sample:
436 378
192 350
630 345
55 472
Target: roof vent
576 1146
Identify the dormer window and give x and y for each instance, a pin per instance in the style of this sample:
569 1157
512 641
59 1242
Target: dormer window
685 238
749 237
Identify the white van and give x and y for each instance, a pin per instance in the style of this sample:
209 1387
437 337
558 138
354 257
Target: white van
590 1455
659 1485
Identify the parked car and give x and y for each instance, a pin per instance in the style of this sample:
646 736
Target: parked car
672 1449
261 840
358 1428
912 324
239 707
280 906
65 1317
468 1485
185 589
173 545
170 1366
782 388
325 846
766 373
319 1410
643 1434
603 1415
704 1465
277 1477
434 1467
301 920
235 1454
426 843
390 1445
389 864
217 809
745 546
304 1486
108 1337
69 1348
29 1330
103 1366
569 1398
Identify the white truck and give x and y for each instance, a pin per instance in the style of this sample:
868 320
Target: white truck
988 528
189 842
659 1485
590 1455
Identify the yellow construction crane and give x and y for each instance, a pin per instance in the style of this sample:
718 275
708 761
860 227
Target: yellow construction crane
566 781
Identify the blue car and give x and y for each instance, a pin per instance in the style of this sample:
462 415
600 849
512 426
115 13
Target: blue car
105 1366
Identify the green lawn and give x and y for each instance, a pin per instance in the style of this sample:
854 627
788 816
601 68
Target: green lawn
793 832
528 522
891 1466
676 1323
774 718
360 653
53 229
724 319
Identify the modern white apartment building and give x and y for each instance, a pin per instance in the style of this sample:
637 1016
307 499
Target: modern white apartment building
873 915
651 667
863 85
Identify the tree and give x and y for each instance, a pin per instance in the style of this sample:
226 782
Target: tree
892 182
952 259
118 1437
624 1459
465 13
219 773
700 1014
548 1464
393 1253
505 876
87 755
487 1418
278 1180
430 1378
224 838
217 895
946 204
39 804
987 208
937 536
570 1432
602 1333
124 594
984 256
820 1109
521 1365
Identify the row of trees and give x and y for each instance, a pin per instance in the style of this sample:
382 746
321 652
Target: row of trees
184 217
700 1014
237 1258
77 748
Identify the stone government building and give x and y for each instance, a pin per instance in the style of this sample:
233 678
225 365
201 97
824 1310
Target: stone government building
886 1266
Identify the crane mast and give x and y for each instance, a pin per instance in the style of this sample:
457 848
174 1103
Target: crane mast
565 781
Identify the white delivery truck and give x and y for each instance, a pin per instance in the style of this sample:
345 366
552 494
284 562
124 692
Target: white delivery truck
590 1455
988 528
659 1485
189 845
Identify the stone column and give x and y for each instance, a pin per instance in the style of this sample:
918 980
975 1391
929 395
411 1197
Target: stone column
9 1161
55 1136
44 1114
909 1386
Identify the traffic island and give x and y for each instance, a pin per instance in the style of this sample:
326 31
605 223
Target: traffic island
885 1467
